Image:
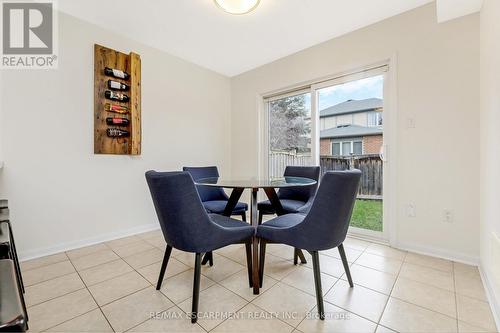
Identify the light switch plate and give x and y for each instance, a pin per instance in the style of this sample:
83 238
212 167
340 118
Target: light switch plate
411 210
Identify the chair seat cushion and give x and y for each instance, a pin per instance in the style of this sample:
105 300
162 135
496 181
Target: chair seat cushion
218 206
280 229
235 231
227 222
289 206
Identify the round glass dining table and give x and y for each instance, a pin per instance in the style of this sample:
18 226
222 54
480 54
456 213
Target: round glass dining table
269 186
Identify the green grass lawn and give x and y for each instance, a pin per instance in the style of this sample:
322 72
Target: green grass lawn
367 214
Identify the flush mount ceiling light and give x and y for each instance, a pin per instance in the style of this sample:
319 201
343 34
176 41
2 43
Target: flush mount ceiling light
237 7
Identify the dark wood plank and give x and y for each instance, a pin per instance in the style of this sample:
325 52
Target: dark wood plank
275 201
233 200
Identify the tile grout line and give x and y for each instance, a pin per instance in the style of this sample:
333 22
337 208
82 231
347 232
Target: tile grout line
52 263
147 319
261 292
251 301
350 311
228 318
88 290
173 306
455 292
363 251
98 307
392 289
53 298
40 282
150 285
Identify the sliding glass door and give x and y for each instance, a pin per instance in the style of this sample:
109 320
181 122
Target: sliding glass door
337 124
351 135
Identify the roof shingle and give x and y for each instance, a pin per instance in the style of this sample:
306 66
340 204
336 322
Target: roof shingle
349 131
352 106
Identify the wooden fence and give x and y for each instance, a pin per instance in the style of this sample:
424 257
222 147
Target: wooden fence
279 160
370 165
371 171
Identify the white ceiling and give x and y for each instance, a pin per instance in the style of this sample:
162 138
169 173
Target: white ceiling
450 9
198 31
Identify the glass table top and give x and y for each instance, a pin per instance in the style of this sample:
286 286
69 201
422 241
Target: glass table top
256 183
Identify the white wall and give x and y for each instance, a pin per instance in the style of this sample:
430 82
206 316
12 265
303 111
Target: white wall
437 84
490 145
61 194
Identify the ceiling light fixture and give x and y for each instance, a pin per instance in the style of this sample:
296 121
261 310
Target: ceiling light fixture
237 7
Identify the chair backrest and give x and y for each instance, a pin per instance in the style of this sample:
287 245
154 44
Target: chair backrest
183 220
328 220
206 193
302 193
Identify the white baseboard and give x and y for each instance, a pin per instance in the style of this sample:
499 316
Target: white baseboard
45 251
440 253
490 294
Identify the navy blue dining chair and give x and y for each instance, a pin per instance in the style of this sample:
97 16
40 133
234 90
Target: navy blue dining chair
295 199
324 227
214 199
187 226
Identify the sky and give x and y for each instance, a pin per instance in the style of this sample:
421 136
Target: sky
371 87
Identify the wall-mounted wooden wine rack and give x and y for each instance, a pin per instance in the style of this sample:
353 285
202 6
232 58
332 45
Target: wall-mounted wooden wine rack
131 64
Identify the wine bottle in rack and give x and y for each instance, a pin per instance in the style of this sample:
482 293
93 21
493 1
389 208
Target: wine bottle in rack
117 133
116 73
116 108
117 121
116 96
115 85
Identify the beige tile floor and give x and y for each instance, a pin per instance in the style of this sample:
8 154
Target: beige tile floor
110 287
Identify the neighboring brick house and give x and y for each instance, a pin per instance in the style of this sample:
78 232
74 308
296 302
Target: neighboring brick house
352 127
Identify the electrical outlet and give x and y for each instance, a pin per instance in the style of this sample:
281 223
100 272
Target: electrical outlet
410 122
411 210
448 216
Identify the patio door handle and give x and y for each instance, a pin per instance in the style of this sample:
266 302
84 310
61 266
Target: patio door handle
383 153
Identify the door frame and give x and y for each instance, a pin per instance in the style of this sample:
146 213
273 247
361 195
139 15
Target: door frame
390 204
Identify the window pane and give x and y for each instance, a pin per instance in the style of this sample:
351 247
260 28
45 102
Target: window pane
380 120
374 119
335 149
289 133
346 148
371 120
358 148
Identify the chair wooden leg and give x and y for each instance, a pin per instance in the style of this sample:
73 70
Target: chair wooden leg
260 217
346 264
164 264
248 247
300 254
317 284
262 260
244 216
295 256
196 288
208 258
